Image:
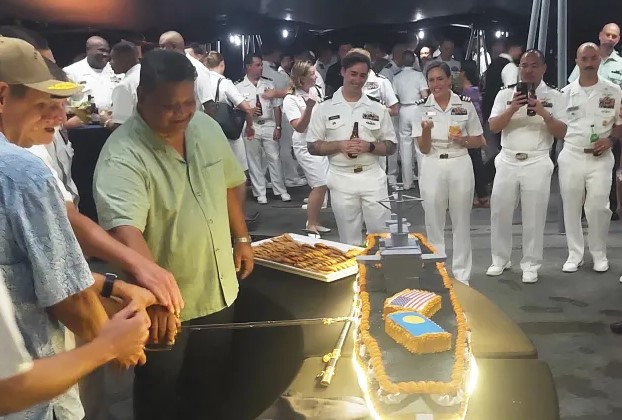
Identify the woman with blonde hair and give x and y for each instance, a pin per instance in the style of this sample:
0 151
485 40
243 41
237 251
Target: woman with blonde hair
297 107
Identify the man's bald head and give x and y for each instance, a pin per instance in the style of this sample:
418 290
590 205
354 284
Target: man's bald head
588 59
172 41
97 52
609 36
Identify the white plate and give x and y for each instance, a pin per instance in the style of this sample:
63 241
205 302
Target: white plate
325 277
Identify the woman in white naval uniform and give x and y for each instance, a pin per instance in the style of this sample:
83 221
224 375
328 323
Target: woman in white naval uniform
446 176
355 179
297 107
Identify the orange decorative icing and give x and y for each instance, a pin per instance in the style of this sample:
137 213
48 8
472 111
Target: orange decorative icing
374 351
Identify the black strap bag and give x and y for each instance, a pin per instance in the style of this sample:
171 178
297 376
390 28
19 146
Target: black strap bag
231 119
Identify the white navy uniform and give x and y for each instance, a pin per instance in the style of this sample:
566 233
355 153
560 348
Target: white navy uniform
524 170
356 185
408 84
124 97
380 88
390 70
315 168
201 84
229 94
446 177
584 179
97 82
264 131
288 164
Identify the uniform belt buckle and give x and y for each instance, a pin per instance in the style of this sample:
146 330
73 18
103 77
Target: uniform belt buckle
522 156
358 168
590 151
261 122
444 156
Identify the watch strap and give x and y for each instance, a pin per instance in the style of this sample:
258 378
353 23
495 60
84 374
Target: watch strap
243 240
108 284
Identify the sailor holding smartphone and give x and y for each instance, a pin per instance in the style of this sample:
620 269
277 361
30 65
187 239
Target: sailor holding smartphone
527 115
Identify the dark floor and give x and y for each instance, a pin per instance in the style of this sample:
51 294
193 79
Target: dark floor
567 316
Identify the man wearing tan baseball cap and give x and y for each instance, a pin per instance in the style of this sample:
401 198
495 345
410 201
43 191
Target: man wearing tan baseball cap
22 64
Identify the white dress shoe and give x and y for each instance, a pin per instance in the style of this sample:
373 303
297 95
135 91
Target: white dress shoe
601 266
262 200
497 270
571 267
286 198
530 277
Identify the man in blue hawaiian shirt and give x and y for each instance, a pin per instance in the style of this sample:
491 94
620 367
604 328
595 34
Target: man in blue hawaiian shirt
45 272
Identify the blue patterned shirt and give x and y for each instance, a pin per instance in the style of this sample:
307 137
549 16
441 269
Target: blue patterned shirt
41 262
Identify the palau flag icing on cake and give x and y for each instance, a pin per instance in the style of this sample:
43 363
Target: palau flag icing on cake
417 333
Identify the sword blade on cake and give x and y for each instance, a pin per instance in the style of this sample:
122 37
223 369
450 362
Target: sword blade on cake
421 301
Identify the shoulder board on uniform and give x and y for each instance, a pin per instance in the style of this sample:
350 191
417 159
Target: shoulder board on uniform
380 76
266 78
421 101
389 65
553 87
373 99
326 98
465 98
397 72
509 86
237 82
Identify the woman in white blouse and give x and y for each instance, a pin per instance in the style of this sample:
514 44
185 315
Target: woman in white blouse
297 107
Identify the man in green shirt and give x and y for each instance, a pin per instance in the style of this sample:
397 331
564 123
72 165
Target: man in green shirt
165 185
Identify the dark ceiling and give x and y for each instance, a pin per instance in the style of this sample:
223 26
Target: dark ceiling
320 14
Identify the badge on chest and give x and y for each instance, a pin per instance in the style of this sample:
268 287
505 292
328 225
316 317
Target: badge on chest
370 116
459 110
607 102
371 85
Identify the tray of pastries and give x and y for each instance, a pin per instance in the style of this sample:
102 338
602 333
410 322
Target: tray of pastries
309 257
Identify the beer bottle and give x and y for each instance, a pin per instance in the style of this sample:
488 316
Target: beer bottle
258 105
355 135
594 138
93 111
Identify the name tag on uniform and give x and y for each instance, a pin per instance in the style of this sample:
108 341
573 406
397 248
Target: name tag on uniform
458 110
547 104
371 116
430 114
606 102
573 109
334 117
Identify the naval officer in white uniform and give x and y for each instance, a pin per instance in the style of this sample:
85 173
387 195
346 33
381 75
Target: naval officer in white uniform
524 167
410 86
355 179
448 126
586 161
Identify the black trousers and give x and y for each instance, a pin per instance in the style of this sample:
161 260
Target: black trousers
190 381
481 173
613 195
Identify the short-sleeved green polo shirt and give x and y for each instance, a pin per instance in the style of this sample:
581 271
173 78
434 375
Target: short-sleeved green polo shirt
180 205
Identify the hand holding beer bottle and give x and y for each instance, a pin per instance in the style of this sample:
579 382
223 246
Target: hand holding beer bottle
354 137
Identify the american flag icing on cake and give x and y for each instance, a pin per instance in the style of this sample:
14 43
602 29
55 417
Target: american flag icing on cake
421 301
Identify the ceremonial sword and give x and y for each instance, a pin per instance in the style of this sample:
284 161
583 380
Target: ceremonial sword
254 324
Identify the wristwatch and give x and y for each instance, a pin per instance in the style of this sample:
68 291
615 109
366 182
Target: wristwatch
243 240
372 147
108 284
